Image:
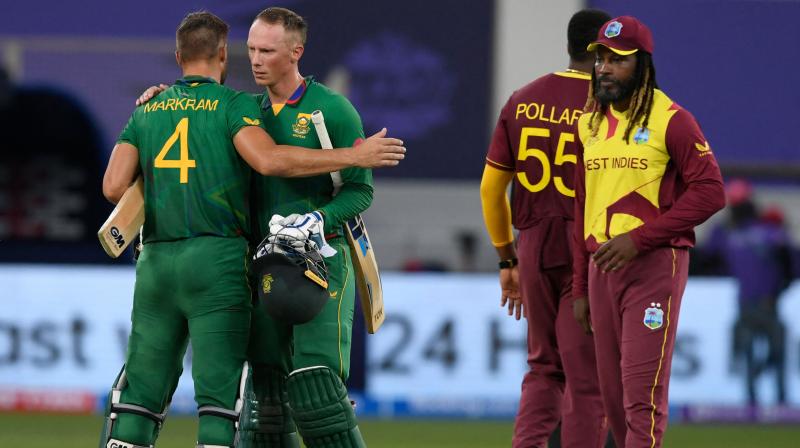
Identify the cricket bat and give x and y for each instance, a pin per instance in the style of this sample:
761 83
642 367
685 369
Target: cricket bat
123 224
368 279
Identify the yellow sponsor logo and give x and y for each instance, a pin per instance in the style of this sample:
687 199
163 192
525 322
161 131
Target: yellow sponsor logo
703 149
300 126
266 283
252 121
334 294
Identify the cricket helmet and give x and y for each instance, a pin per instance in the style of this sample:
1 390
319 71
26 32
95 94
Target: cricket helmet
292 279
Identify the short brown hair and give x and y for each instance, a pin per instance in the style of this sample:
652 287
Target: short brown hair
290 20
200 35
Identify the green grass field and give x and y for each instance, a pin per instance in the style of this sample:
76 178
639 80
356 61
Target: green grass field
45 431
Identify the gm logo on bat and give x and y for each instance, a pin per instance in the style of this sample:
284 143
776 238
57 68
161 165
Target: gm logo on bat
117 236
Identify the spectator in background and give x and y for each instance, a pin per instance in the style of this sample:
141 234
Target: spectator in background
755 250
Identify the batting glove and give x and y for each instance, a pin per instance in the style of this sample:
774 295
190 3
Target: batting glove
313 223
294 236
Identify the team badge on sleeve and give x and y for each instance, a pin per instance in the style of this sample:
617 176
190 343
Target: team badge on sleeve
654 316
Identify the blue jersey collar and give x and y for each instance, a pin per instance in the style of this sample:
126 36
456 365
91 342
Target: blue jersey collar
295 97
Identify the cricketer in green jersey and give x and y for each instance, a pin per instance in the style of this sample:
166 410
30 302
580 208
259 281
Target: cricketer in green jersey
318 351
194 146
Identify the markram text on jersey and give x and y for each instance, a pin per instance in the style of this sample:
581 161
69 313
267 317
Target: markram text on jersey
181 104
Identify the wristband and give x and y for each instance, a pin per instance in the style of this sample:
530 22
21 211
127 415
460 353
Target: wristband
508 264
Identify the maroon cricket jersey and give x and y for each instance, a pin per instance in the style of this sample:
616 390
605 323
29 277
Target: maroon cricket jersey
657 185
535 138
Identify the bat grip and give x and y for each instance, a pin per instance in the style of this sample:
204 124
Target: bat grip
325 140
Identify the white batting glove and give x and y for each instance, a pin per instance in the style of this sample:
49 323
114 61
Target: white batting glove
314 224
276 219
291 235
290 220
277 223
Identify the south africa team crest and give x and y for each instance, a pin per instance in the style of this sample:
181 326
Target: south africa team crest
300 126
266 283
654 316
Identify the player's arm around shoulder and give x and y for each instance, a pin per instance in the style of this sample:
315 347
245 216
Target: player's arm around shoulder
261 152
253 143
246 129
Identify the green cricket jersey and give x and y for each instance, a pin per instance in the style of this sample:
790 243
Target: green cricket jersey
290 124
195 183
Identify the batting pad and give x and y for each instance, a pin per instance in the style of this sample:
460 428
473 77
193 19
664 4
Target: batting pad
322 409
124 421
276 429
243 418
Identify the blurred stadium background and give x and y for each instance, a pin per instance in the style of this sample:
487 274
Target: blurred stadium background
445 369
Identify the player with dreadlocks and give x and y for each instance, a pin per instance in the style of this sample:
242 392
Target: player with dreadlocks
560 385
645 178
643 86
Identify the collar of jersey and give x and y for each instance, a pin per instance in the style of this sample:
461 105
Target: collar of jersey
619 115
295 98
570 73
194 80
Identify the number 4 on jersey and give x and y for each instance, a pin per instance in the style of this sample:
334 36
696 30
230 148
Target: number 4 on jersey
184 163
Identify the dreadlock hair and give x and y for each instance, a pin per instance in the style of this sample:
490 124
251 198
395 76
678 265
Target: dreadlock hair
641 98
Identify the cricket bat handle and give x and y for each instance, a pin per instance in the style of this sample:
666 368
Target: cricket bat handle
325 140
371 293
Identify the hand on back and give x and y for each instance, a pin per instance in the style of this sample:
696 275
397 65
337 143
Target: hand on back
150 93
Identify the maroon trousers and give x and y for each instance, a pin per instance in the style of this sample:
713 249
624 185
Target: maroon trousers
635 316
561 383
